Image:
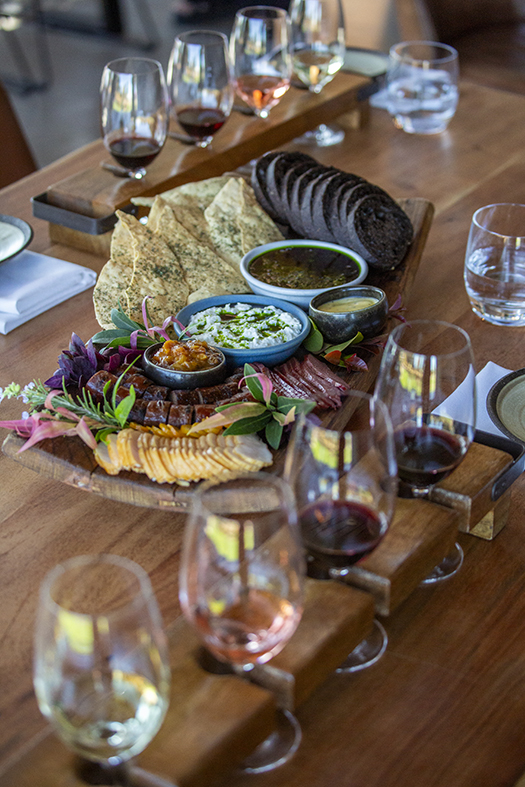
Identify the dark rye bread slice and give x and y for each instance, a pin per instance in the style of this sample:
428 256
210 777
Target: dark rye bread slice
332 200
322 211
277 169
379 230
297 194
350 198
287 183
258 181
308 199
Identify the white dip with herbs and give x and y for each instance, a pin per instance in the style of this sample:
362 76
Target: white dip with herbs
240 326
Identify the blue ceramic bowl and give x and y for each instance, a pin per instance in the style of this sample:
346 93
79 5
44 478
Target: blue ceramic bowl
269 356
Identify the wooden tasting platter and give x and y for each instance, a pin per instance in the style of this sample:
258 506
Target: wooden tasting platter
69 460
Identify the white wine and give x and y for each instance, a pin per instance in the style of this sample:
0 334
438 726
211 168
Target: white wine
108 717
316 68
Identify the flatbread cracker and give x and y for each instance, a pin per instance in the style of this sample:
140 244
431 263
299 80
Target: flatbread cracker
114 277
237 223
201 193
205 272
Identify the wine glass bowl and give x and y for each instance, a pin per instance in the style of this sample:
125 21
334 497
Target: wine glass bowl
345 484
242 580
318 50
318 42
101 668
260 56
427 381
134 112
200 84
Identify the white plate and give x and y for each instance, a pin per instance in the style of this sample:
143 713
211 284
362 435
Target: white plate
15 235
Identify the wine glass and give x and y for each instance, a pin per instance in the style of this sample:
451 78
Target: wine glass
242 583
134 113
101 669
427 381
318 52
200 84
260 55
345 485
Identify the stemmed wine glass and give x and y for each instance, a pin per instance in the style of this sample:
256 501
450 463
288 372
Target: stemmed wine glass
260 55
318 52
242 583
345 485
101 668
134 113
427 381
200 84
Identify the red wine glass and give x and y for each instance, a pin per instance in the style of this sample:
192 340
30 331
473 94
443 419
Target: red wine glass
345 484
134 112
200 84
242 584
260 55
427 381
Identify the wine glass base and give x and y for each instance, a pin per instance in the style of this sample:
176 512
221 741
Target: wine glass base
368 652
449 566
278 748
323 136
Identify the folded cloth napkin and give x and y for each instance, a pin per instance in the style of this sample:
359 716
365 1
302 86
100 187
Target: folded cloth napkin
32 283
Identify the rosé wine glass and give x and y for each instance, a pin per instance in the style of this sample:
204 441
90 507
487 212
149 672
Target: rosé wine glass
260 56
242 584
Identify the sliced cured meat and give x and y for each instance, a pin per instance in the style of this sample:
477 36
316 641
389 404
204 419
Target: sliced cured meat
155 392
202 411
95 384
138 411
180 415
157 412
326 374
139 382
215 393
184 397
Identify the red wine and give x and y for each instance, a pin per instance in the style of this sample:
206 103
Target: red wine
200 122
134 152
340 532
426 455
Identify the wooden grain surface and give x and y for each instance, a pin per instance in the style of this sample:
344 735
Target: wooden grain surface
446 703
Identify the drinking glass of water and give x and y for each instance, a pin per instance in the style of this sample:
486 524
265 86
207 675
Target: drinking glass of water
495 264
422 86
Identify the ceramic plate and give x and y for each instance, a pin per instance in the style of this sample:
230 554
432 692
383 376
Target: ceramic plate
15 235
506 405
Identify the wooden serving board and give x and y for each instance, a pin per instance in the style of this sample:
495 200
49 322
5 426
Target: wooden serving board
69 460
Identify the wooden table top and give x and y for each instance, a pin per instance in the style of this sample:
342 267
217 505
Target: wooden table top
446 703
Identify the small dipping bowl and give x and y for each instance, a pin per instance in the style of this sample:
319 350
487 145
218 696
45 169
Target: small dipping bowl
176 379
310 252
338 326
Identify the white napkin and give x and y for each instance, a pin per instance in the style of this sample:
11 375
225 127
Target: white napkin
32 283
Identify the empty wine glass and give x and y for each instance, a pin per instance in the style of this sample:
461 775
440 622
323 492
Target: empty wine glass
318 51
427 381
260 55
241 583
101 669
345 485
134 113
200 84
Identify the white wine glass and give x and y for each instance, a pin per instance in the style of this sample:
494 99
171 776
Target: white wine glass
101 668
345 485
427 381
200 84
134 113
260 56
318 52
242 584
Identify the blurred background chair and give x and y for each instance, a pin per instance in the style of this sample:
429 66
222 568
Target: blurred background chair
23 32
16 159
488 34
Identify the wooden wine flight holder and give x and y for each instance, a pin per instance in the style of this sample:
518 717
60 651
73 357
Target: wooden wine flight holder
79 207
